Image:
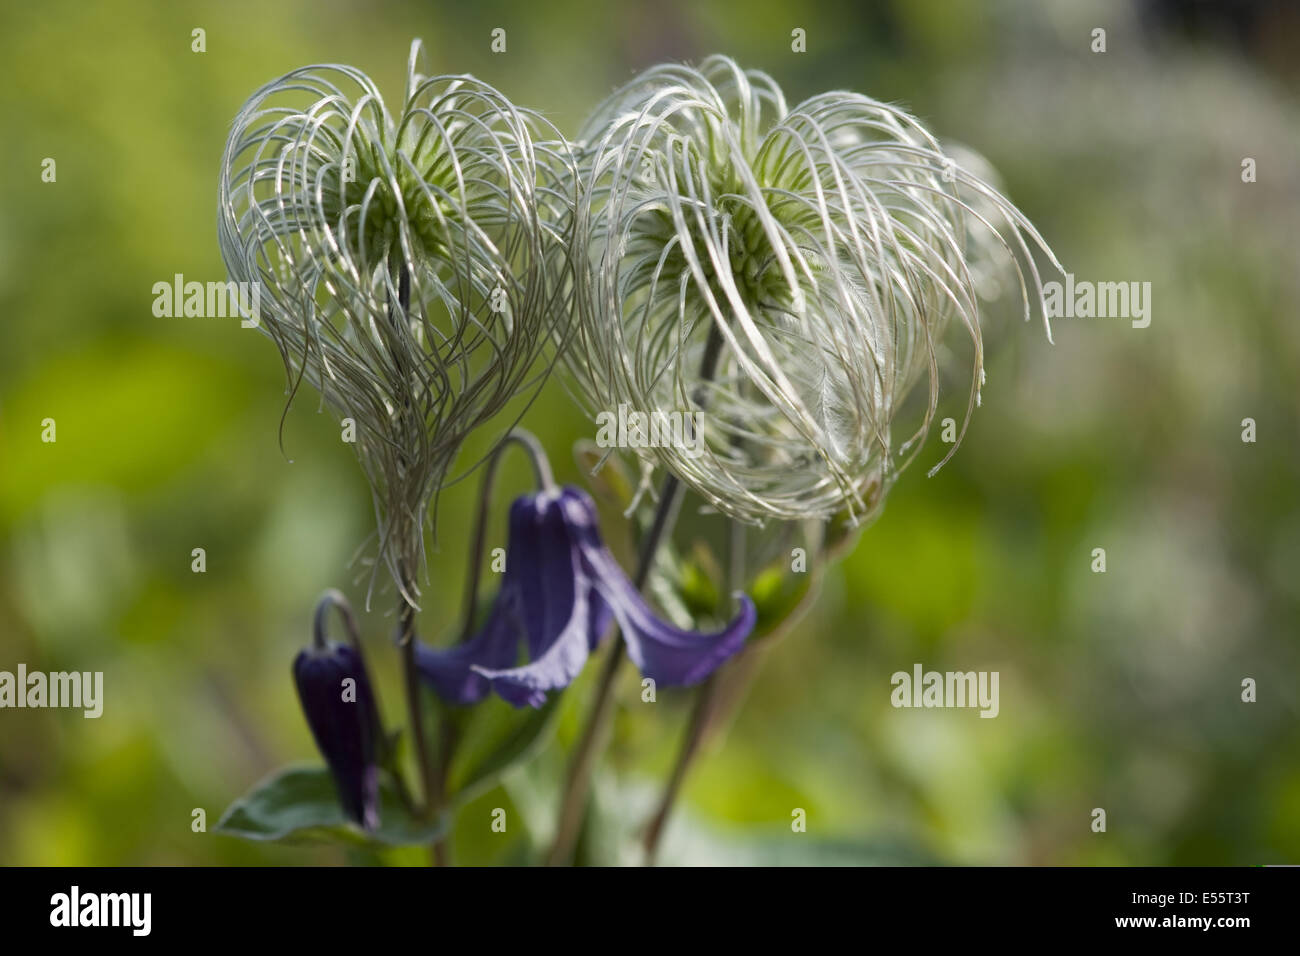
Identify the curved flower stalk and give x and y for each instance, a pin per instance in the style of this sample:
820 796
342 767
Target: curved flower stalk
559 594
407 263
829 246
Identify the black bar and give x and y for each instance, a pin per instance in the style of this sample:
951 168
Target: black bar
530 907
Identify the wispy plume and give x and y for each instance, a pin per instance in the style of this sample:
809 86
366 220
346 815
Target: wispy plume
411 263
820 251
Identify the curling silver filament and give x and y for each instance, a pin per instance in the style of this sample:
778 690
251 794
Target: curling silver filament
824 248
405 262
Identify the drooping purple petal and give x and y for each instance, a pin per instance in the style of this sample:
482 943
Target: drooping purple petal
542 605
600 617
346 731
667 654
557 666
546 569
676 658
561 591
450 672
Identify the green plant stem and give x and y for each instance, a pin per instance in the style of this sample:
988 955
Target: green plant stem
696 731
711 706
448 738
406 642
545 481
702 713
441 853
574 805
717 700
429 787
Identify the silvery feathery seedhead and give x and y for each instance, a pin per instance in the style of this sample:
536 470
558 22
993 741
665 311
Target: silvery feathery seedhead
407 262
781 277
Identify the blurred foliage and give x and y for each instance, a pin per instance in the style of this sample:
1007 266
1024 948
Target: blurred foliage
1119 690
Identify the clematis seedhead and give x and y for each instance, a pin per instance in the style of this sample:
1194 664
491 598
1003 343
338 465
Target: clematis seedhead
820 250
560 592
409 262
338 701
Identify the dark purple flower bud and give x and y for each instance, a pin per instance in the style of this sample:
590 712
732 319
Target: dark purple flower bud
560 591
337 700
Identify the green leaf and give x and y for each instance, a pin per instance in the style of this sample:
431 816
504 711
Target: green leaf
777 593
300 805
697 574
497 738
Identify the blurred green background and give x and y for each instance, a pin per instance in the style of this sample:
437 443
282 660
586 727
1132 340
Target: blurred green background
1118 690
